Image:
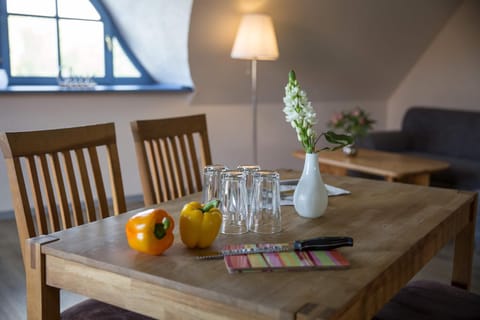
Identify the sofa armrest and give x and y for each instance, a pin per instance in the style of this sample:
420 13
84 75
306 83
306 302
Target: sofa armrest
395 141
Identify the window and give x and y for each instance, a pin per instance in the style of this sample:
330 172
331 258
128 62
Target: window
48 41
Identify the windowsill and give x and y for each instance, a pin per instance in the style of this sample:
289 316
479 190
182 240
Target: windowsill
97 88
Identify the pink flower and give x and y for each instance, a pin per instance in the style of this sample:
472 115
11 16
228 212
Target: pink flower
336 118
356 112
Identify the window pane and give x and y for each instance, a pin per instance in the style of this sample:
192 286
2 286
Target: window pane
35 7
82 47
81 9
33 46
122 66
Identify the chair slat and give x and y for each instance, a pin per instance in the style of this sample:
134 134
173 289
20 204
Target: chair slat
205 147
186 175
118 194
165 157
51 202
176 169
144 159
153 166
97 177
86 187
73 189
40 215
194 156
61 192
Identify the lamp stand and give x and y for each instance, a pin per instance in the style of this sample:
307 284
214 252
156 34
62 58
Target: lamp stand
261 46
254 110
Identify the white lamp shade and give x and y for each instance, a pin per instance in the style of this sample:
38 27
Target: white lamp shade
255 39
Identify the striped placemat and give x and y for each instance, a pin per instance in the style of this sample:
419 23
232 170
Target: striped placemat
292 260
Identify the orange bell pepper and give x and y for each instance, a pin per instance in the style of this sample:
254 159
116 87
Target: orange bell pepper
150 231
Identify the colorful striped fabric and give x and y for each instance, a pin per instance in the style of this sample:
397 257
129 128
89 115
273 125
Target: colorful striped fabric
293 260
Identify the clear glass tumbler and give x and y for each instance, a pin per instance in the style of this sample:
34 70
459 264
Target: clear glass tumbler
234 202
265 215
212 182
249 171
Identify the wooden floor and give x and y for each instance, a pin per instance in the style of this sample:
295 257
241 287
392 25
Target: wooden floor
12 278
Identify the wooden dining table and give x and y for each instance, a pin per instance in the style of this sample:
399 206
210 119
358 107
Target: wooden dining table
397 228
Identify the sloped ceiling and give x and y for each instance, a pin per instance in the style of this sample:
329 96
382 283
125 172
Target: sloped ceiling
341 49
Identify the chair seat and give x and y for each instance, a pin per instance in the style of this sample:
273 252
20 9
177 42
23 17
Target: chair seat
424 299
95 310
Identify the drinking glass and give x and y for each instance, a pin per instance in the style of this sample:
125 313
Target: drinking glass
249 171
212 182
265 215
234 202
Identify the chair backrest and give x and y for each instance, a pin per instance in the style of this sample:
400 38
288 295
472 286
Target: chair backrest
171 153
60 172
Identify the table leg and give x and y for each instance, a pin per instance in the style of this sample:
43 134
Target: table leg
464 246
43 302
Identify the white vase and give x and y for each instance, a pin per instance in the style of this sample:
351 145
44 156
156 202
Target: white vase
310 197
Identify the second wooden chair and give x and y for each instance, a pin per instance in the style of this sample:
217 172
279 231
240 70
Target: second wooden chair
171 153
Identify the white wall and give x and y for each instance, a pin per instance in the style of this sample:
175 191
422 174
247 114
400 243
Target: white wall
448 73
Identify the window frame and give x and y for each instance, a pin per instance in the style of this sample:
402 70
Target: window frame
110 32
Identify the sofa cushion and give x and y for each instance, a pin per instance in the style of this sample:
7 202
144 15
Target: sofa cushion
444 132
391 140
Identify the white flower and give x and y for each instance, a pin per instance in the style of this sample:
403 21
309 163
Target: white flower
300 113
302 117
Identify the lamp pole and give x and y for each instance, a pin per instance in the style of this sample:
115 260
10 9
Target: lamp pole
254 110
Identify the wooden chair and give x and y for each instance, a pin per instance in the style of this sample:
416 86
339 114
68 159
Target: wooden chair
425 299
168 152
59 173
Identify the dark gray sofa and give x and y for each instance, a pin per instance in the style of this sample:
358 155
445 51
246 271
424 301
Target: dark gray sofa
442 134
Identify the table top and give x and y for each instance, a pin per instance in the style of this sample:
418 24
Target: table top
389 222
381 163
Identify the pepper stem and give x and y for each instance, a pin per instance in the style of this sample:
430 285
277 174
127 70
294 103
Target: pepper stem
161 228
211 204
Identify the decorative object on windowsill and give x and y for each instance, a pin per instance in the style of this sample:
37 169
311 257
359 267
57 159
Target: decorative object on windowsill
3 79
310 197
67 79
356 123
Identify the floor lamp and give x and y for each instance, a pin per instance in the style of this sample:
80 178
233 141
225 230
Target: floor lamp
255 40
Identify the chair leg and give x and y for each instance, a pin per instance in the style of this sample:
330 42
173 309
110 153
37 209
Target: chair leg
43 302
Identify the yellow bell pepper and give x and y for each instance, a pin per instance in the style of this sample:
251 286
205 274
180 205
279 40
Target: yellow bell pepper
150 231
199 224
